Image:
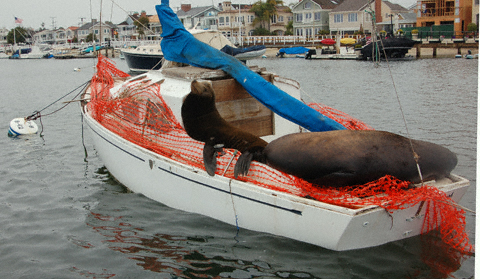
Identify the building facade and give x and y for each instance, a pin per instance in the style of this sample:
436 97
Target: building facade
443 12
103 32
312 16
3 35
351 16
235 20
198 17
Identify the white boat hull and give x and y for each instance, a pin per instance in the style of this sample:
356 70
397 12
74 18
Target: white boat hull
190 189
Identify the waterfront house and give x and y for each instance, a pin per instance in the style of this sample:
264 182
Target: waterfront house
199 17
46 36
125 31
393 14
350 16
71 33
311 16
235 19
3 36
278 24
103 31
155 27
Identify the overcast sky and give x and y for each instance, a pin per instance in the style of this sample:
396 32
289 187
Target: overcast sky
65 13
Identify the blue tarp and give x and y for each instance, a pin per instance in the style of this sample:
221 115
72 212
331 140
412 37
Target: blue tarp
294 50
234 51
179 45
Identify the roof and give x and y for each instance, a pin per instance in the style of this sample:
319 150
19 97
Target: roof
324 4
328 4
195 11
395 7
91 24
351 5
408 17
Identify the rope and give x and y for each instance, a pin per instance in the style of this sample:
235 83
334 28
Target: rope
415 155
113 2
38 115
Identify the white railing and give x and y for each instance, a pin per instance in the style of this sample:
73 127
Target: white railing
286 40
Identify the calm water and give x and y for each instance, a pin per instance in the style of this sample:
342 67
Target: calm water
62 216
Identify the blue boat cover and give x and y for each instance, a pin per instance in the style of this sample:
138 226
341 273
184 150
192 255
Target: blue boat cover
234 51
179 45
294 50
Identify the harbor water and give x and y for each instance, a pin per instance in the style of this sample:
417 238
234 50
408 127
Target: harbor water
63 216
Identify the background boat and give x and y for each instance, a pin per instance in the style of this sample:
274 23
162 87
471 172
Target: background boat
143 58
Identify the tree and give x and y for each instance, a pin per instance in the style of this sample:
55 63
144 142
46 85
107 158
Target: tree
264 11
20 36
260 31
289 28
142 23
472 27
90 37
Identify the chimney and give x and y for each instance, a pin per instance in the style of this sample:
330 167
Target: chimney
186 7
143 14
378 10
227 5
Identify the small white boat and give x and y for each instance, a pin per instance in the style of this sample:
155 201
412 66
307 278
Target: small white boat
143 58
147 150
248 205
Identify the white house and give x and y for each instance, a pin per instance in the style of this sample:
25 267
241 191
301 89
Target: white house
351 16
311 16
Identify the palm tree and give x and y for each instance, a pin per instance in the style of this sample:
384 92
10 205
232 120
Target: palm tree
264 11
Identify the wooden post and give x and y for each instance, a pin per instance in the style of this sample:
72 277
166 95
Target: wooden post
418 51
435 52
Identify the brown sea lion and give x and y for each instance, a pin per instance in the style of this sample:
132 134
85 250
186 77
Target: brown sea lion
202 122
346 157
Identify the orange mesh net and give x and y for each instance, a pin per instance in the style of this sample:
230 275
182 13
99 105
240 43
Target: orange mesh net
138 113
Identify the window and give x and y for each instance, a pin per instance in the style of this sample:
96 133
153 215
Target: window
352 17
338 18
280 18
307 5
273 19
221 21
317 16
299 17
308 17
308 32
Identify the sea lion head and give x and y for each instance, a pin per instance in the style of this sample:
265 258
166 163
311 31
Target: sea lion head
203 88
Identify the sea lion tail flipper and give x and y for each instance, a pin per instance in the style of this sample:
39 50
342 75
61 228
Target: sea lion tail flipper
210 159
243 164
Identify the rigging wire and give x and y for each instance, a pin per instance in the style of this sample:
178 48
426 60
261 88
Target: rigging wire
415 155
113 2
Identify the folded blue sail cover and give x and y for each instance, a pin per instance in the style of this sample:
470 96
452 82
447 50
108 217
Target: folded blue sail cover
294 50
179 45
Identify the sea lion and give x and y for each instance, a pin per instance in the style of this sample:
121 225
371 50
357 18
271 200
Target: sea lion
346 157
202 122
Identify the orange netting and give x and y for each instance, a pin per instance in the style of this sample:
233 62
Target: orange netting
138 112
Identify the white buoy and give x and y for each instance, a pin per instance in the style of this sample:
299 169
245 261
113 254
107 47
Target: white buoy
19 126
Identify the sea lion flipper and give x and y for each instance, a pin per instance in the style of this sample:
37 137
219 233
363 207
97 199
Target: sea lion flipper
243 164
210 159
